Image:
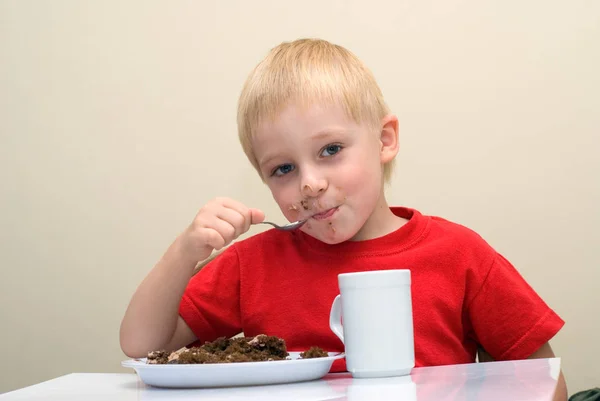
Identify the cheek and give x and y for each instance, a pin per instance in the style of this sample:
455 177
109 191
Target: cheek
287 200
291 212
357 177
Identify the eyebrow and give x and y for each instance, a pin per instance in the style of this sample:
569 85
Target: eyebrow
323 134
327 133
267 160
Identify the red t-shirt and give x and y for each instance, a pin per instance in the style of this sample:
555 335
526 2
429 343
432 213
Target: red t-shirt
463 292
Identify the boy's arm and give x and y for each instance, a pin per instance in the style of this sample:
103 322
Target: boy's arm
152 320
545 351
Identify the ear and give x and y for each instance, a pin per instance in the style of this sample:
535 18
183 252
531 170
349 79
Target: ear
389 138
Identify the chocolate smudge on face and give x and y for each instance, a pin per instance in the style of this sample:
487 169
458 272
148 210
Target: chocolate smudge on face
331 226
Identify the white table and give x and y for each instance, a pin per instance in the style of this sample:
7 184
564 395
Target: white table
526 380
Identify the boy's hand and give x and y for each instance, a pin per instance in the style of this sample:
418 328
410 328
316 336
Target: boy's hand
217 223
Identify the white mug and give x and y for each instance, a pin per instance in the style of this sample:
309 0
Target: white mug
377 329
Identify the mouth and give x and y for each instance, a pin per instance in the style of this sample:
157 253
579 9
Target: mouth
325 214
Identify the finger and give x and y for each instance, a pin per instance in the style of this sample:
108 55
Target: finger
257 216
219 206
238 222
226 231
240 208
213 238
208 220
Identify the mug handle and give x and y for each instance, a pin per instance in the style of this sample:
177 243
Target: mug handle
335 318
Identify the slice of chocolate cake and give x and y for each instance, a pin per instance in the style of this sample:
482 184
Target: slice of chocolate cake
226 350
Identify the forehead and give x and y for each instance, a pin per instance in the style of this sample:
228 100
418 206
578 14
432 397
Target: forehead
296 123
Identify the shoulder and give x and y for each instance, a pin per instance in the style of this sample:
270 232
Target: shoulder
459 252
456 230
461 238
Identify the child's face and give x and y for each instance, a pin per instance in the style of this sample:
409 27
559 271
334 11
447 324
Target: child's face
320 164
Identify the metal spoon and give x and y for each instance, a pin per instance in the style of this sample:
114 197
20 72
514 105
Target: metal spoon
286 227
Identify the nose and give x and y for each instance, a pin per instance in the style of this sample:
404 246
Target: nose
312 184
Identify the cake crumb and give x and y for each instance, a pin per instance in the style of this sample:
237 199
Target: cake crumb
314 352
158 357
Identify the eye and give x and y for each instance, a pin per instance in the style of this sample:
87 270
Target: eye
331 150
283 170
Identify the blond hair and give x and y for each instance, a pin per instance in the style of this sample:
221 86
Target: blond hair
306 71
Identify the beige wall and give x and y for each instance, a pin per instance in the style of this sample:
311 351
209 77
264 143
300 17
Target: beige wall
116 119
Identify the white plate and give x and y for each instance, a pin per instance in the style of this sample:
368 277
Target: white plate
233 374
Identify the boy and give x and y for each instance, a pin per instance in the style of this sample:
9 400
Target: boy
314 124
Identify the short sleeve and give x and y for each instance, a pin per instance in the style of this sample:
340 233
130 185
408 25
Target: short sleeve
509 319
210 304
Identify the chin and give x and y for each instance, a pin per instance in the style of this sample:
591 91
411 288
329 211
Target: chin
332 241
331 238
